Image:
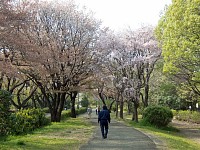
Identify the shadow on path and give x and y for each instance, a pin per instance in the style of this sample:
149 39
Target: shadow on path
120 137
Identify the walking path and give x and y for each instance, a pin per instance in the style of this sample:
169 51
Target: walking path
120 137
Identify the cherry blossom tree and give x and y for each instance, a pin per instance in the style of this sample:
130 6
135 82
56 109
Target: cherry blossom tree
13 16
61 57
54 50
142 54
111 49
144 42
130 62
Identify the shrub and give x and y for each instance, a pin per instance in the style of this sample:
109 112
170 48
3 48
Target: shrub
175 112
195 117
187 115
67 113
5 98
157 115
183 115
27 120
81 110
46 110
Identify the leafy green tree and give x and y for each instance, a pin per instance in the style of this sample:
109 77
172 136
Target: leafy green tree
84 101
164 91
178 33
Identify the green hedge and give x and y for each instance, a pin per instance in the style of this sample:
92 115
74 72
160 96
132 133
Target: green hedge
67 113
46 110
157 115
27 120
187 115
5 99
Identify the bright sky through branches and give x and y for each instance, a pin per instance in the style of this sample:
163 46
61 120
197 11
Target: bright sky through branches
120 14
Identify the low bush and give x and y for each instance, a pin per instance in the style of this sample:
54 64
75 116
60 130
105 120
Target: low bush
187 115
157 115
175 112
67 113
46 110
27 120
81 110
5 99
195 117
183 115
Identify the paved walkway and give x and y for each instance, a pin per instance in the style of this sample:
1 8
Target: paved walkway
120 137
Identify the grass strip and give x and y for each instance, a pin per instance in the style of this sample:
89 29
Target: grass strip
69 134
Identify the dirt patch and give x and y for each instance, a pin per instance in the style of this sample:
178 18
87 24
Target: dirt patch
189 130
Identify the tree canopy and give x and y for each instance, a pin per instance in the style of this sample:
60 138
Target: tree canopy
178 33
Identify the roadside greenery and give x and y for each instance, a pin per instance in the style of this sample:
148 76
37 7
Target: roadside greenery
157 115
189 116
178 34
67 113
171 136
68 134
25 121
5 98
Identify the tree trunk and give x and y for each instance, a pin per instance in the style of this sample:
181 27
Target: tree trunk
34 102
73 98
135 112
54 115
149 70
110 107
1 80
146 94
117 109
102 98
121 115
56 111
73 110
53 103
133 116
129 107
78 101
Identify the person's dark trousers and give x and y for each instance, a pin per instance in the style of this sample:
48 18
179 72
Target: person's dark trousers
104 128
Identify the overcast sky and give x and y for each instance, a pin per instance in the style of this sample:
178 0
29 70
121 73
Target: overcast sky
120 14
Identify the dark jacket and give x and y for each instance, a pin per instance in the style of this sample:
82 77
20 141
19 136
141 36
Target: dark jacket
104 115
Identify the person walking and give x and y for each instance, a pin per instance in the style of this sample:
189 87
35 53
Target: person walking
104 119
98 109
89 112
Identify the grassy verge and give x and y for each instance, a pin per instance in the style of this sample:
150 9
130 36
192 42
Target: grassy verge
69 134
170 135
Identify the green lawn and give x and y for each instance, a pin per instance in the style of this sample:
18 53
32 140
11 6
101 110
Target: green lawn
68 134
